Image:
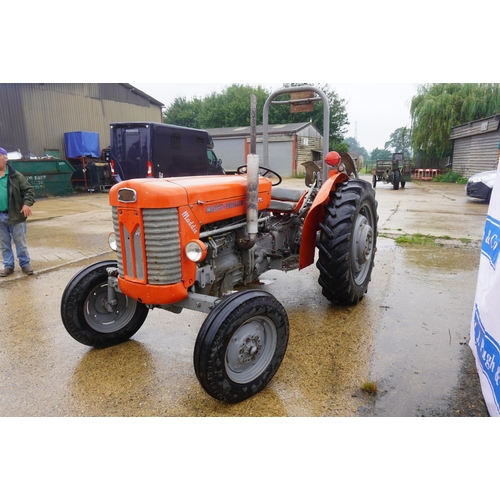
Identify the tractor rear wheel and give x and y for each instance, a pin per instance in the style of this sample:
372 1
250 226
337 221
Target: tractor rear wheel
241 345
348 242
396 177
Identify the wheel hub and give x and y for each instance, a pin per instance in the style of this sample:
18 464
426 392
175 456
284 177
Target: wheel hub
103 317
101 304
249 348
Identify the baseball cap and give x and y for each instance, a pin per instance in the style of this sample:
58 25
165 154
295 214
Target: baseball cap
3 152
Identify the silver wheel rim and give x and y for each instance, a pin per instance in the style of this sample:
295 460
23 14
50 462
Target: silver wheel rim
362 250
102 320
251 349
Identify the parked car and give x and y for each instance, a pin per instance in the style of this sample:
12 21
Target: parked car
480 185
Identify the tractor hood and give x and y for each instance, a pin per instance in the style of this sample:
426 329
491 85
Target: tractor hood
217 197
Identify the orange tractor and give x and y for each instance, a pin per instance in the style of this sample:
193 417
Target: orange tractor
190 242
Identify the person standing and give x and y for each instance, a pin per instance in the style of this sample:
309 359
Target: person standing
17 196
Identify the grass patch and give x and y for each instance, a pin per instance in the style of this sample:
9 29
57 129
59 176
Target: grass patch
369 388
418 239
451 177
426 239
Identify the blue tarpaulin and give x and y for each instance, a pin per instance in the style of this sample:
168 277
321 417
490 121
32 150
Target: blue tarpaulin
79 144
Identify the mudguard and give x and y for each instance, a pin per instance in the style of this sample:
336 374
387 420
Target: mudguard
315 217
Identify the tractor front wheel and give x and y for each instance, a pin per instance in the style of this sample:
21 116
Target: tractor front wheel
348 242
241 345
87 315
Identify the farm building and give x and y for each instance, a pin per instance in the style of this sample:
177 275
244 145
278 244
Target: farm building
289 146
476 146
35 116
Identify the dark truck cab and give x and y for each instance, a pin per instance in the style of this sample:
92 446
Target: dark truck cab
150 149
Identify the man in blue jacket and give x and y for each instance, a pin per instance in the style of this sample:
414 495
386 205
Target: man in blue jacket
17 196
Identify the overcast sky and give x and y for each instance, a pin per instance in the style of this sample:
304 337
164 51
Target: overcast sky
375 109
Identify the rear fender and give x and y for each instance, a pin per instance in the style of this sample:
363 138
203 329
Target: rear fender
315 217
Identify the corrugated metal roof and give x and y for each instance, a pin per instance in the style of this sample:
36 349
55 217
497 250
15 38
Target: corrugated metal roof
135 90
35 116
283 129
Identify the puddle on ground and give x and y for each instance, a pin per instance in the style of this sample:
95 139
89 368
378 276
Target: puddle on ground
418 341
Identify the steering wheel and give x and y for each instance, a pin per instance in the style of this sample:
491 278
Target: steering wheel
262 171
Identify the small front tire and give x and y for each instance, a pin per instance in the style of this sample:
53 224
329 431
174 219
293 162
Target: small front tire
86 315
241 345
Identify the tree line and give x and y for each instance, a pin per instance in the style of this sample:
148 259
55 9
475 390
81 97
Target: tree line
231 108
434 111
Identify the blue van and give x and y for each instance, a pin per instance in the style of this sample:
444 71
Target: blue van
150 149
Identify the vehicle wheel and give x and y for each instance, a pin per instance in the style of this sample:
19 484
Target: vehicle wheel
241 345
84 313
348 242
374 181
396 176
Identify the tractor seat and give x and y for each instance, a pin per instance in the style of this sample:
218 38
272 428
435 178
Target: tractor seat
284 199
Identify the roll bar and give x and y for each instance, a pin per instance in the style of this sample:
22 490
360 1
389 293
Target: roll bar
326 119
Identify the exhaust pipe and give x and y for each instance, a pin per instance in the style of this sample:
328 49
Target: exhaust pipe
252 195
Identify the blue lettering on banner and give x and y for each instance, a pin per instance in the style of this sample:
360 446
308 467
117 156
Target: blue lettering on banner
488 353
491 238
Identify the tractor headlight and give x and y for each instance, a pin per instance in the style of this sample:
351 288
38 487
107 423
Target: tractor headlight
112 242
196 251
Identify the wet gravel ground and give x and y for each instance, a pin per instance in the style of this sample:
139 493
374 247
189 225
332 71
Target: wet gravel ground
409 334
466 399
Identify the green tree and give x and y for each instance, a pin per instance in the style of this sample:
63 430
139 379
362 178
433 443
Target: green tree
381 154
354 147
400 142
231 108
184 113
439 107
338 114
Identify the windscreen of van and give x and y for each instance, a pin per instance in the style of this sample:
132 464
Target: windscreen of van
129 150
179 152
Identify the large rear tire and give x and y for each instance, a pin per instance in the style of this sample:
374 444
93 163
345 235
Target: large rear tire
241 345
396 177
348 242
85 314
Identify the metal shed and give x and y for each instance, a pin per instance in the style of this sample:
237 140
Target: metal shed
35 116
476 146
290 145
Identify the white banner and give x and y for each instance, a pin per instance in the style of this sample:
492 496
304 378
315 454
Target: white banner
485 326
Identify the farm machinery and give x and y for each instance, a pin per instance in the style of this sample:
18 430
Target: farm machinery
198 243
396 171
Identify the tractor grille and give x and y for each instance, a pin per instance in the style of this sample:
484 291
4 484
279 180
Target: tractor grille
163 249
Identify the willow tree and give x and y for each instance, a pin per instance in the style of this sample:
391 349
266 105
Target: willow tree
439 107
